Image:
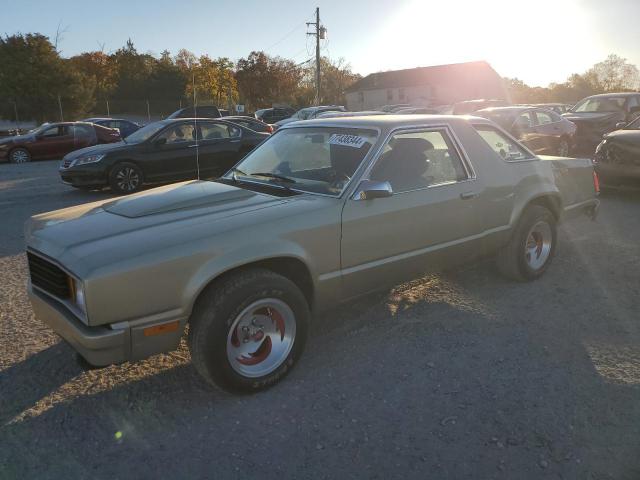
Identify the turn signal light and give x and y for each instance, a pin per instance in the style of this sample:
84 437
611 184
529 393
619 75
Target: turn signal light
596 182
161 329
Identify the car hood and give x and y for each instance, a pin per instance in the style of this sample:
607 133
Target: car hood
143 220
594 117
625 136
27 137
102 148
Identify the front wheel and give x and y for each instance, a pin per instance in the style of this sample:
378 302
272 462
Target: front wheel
125 178
247 331
531 247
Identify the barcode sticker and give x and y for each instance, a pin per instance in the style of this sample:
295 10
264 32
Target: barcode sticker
345 140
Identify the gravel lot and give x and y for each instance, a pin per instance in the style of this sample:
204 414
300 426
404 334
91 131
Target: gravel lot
462 375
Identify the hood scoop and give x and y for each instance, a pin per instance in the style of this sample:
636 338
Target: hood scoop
178 196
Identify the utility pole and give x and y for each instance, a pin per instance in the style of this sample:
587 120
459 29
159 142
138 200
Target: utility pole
319 34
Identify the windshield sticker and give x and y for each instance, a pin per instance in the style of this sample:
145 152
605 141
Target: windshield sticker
345 140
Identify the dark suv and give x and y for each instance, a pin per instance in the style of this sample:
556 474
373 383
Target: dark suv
273 115
208 111
600 114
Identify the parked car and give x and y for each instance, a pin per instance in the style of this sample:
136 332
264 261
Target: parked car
600 114
470 106
310 113
206 111
125 127
273 115
617 157
336 114
543 131
164 151
323 211
250 122
54 140
417 111
559 108
223 112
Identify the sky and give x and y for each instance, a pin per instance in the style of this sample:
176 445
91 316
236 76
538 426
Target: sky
538 41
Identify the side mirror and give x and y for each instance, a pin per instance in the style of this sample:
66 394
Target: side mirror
620 125
370 189
158 142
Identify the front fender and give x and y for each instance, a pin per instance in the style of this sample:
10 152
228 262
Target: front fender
240 257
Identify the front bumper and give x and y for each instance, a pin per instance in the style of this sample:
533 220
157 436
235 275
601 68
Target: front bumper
106 344
83 176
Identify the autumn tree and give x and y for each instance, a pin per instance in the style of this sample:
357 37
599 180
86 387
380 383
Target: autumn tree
614 74
264 80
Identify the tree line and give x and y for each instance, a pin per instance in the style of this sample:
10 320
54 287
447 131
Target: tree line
36 82
614 74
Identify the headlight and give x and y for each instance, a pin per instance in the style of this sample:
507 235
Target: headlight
78 295
87 159
600 145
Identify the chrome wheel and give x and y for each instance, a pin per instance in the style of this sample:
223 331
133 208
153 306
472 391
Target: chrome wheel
538 246
563 148
127 179
20 156
261 337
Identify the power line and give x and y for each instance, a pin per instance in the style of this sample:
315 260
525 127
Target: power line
295 29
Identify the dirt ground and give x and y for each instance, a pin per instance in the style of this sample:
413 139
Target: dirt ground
460 375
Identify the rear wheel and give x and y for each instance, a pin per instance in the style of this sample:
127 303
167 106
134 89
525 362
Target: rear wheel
531 247
20 155
247 332
125 178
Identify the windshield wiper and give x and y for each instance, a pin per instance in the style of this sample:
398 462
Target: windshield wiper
273 175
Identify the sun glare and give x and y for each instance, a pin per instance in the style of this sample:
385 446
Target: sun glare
519 39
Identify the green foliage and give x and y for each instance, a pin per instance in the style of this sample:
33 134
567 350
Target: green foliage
34 76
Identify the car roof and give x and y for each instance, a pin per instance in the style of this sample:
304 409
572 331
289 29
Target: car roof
99 119
511 108
621 94
385 122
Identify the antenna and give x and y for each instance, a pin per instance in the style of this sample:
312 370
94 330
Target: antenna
195 124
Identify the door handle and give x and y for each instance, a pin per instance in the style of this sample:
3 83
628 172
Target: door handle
468 195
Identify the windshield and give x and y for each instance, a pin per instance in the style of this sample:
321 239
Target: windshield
635 125
145 132
600 104
316 160
303 114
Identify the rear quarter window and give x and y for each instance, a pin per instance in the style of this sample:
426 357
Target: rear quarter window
509 150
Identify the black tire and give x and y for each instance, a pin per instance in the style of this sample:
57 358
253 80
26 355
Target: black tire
218 309
19 155
513 261
125 177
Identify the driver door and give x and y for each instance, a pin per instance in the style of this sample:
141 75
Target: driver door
429 220
171 155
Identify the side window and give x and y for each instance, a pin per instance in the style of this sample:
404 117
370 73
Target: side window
51 132
179 134
543 117
416 160
214 131
81 131
508 149
524 121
